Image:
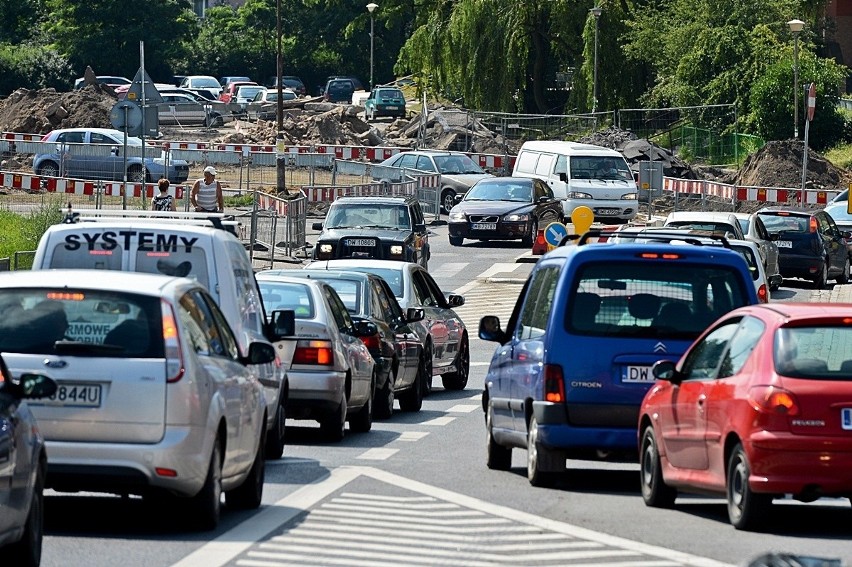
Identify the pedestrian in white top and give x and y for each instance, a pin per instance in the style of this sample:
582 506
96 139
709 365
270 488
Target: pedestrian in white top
206 193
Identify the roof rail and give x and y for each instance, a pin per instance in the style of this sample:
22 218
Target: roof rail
707 239
217 220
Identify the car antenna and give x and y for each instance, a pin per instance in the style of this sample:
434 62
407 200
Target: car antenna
71 217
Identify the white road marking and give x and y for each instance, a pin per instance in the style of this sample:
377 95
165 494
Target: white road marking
448 269
438 421
378 454
464 408
480 363
412 435
498 268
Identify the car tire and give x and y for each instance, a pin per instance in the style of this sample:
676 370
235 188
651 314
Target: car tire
844 277
499 458
426 383
529 239
655 492
456 240
26 552
541 462
275 437
458 380
249 494
48 169
412 399
333 425
383 400
137 174
362 420
448 200
820 281
746 509
205 508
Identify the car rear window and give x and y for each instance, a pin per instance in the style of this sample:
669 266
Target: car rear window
181 263
664 299
391 276
785 223
349 292
748 254
815 352
101 256
87 322
286 295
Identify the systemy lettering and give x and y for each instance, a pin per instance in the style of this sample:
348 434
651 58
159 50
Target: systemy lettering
145 241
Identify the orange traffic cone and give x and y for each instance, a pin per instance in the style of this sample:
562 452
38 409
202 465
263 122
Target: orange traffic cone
540 245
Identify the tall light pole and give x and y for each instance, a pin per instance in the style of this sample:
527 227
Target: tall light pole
596 12
796 26
370 8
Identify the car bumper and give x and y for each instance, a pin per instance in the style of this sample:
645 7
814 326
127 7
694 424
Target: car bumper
503 230
555 431
390 110
799 266
131 468
605 211
314 391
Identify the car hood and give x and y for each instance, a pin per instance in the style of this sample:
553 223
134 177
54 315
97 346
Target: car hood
383 235
465 179
492 207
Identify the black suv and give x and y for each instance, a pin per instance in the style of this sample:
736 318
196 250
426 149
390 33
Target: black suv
384 228
339 90
810 245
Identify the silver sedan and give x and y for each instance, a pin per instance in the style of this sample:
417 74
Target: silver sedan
754 230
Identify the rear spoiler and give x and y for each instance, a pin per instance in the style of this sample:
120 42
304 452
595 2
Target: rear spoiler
705 239
217 220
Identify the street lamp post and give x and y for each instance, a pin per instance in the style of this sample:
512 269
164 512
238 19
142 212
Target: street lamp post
596 12
796 26
370 8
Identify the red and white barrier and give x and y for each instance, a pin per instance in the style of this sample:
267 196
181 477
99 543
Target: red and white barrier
29 182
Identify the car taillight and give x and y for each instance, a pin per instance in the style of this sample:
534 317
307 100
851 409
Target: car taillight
763 293
371 341
313 352
813 225
171 338
774 406
554 383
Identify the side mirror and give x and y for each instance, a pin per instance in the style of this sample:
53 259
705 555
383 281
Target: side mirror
563 177
458 199
260 353
489 329
774 237
414 314
364 328
666 370
316 226
35 386
282 324
455 300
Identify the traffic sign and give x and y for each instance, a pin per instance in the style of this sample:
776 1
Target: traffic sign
582 217
554 233
811 101
125 115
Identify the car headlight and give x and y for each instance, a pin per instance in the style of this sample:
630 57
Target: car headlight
396 250
456 216
579 195
517 217
629 197
325 248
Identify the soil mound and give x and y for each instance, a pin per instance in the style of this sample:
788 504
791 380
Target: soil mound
40 111
779 164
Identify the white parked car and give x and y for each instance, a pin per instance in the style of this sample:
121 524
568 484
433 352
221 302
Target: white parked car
202 82
154 395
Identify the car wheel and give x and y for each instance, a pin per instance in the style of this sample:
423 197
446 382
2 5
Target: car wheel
746 509
26 552
427 370
448 200
383 401
275 437
362 420
541 462
48 169
456 240
249 494
333 425
412 399
844 277
655 492
499 458
458 380
529 239
205 507
820 281
136 174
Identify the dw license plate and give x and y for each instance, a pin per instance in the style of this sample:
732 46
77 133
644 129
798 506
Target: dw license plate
360 242
483 226
784 244
637 374
609 212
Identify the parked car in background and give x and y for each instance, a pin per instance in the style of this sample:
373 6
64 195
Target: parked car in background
810 246
109 80
332 374
755 410
223 81
229 91
445 343
504 208
121 90
200 83
183 110
291 82
724 224
24 469
754 230
842 196
458 171
839 212
154 396
574 362
386 227
384 101
339 90
264 106
396 348
98 153
244 94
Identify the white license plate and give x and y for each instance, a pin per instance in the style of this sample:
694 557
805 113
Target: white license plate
483 226
69 394
609 211
637 374
360 242
392 108
784 244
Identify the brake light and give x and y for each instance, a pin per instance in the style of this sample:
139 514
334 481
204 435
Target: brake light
174 354
763 293
313 352
813 225
371 341
659 256
773 400
554 383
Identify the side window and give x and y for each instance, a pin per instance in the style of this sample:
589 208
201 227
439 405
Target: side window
434 291
526 162
418 214
545 165
425 164
224 334
831 229
706 357
561 165
386 294
742 344
338 311
538 304
196 324
248 297
97 138
421 290
407 161
760 228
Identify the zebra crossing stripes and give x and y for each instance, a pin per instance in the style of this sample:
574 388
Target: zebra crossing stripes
488 298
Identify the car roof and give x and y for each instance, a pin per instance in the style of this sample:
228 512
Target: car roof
174 226
707 253
320 273
561 146
385 264
793 210
134 282
402 199
700 215
112 131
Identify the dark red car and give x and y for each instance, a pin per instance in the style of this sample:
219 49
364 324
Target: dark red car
759 407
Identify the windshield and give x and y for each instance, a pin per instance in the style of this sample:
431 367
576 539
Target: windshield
600 167
360 215
247 92
286 295
389 93
515 191
801 352
204 82
457 164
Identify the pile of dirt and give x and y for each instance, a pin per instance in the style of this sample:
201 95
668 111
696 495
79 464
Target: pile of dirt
779 164
40 111
636 150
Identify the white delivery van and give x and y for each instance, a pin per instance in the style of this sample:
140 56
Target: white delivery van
194 245
582 174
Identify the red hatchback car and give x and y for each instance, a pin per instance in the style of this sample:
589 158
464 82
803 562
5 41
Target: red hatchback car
759 407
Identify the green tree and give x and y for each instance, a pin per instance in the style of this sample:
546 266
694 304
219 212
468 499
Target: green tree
20 20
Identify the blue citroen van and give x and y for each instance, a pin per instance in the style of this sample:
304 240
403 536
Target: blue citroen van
574 360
